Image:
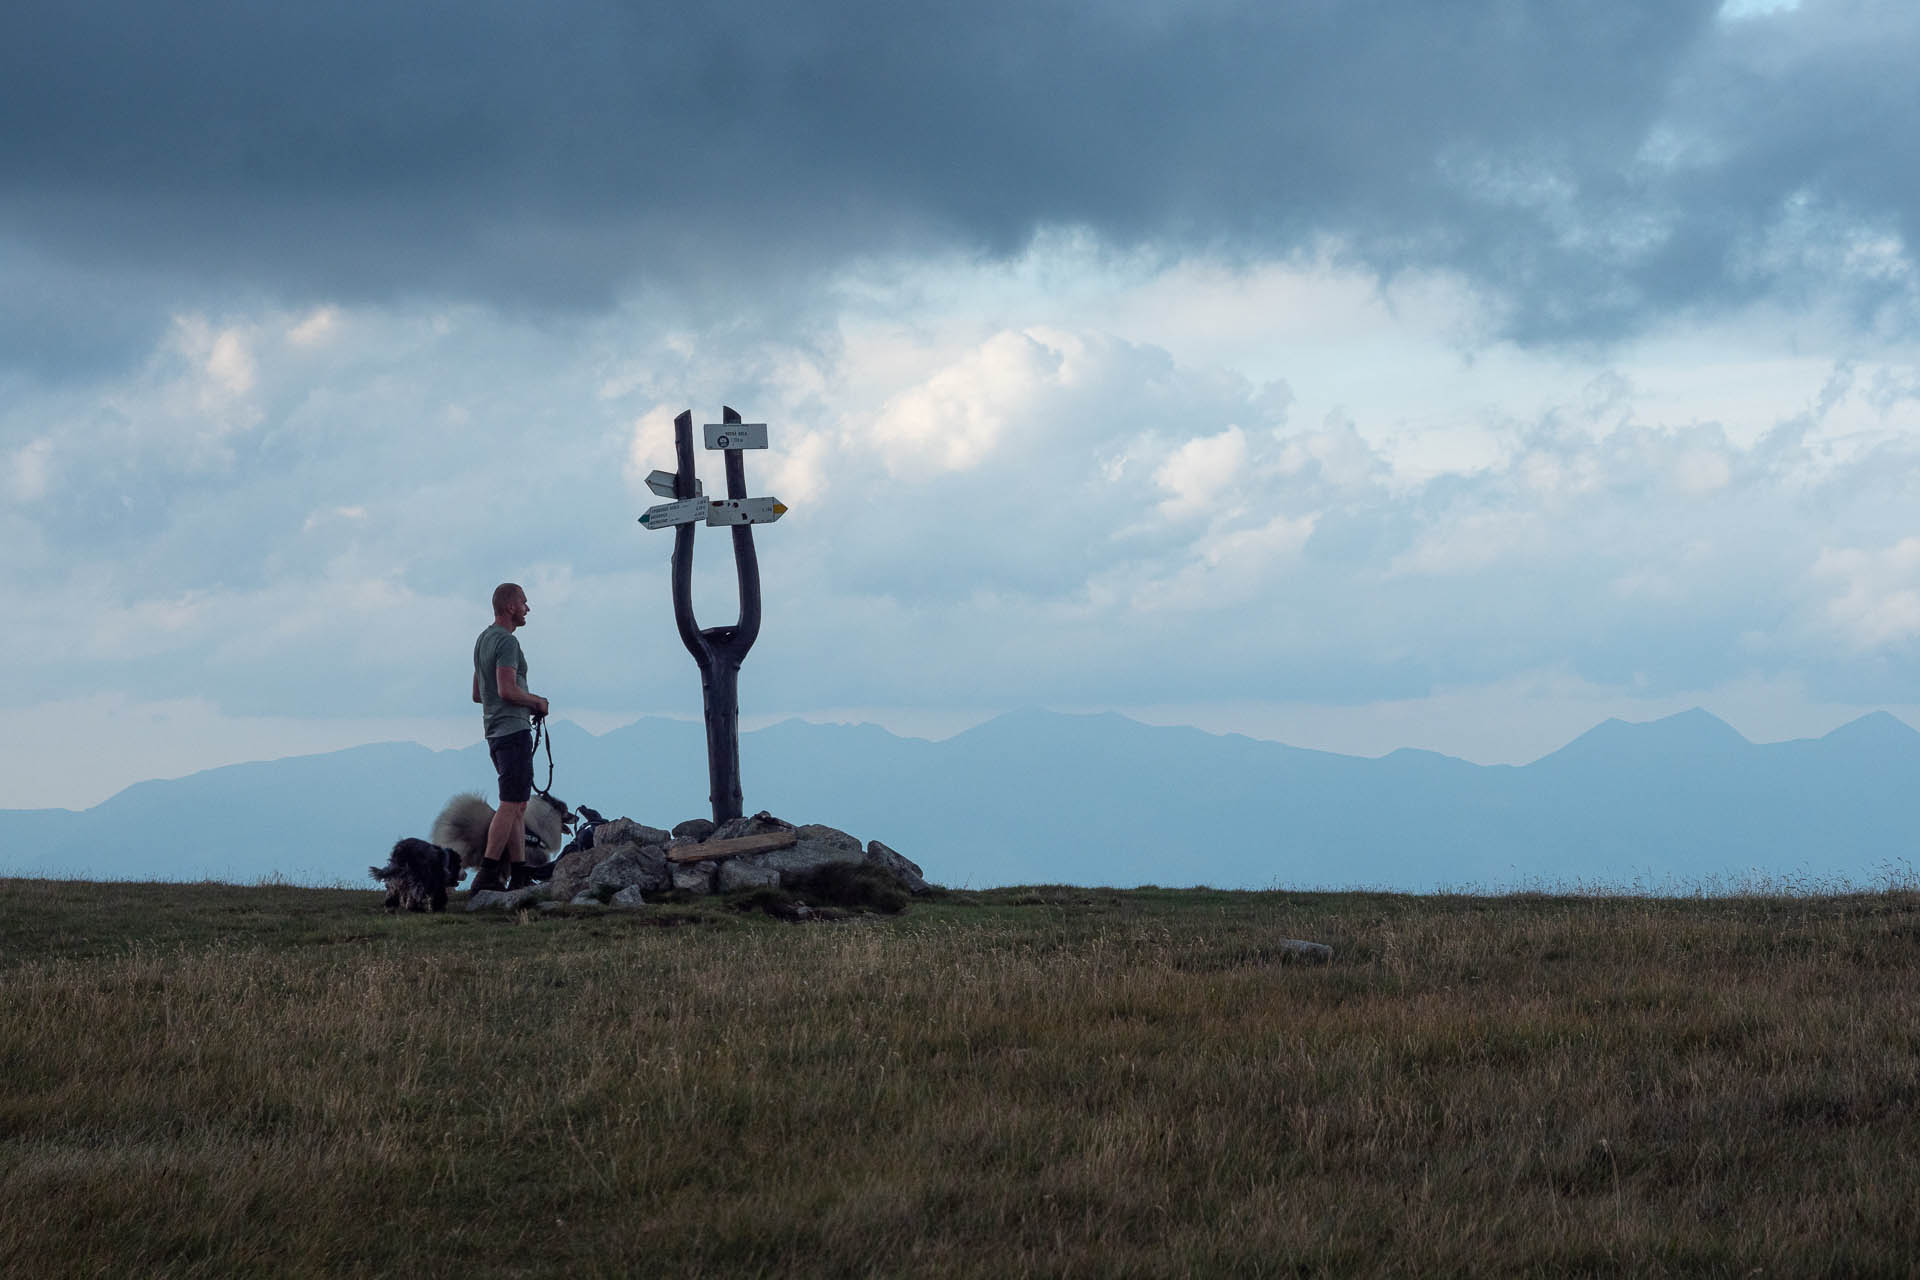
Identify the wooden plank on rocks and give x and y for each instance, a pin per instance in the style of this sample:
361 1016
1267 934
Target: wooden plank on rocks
728 848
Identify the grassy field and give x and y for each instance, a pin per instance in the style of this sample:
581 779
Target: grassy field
202 1079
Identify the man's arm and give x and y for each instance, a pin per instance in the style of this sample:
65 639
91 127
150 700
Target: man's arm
510 691
476 686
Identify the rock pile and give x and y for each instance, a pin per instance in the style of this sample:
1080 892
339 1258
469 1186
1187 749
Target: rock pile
627 860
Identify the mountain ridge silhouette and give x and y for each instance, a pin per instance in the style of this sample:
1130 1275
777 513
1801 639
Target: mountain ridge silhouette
1046 797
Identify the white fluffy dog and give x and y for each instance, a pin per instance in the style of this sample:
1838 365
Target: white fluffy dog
462 827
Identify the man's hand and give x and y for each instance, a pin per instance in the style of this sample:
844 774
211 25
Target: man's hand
510 691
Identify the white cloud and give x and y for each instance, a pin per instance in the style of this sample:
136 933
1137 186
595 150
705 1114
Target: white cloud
29 469
1556 479
333 515
1698 471
650 448
954 420
317 328
1228 567
799 469
1337 455
1200 471
142 628
179 412
230 363
1876 594
365 610
1471 543
1734 10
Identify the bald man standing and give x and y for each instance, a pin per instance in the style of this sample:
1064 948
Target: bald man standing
500 687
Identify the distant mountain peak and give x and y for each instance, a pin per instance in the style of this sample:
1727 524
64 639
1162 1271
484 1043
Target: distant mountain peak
795 726
1696 721
1695 731
1876 728
1026 719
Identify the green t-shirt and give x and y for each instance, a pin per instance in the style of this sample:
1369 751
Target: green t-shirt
496 647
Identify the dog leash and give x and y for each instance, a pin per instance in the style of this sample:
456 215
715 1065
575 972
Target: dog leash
540 735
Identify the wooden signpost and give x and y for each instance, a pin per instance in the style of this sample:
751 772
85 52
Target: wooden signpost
719 651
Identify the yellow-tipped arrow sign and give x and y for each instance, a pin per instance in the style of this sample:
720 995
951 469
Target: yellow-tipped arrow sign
745 510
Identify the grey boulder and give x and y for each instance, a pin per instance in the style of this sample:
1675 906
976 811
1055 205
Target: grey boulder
570 876
758 825
904 870
815 848
503 899
693 829
742 873
692 877
1303 952
627 831
641 866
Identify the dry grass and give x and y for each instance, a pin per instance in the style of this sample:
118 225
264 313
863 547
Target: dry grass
208 1080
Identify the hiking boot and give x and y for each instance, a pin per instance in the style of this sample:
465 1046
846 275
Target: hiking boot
522 877
489 876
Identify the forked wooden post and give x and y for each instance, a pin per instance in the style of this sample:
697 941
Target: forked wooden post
719 651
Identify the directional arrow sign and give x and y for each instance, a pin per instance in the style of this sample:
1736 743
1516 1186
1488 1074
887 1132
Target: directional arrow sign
745 511
661 482
685 511
736 435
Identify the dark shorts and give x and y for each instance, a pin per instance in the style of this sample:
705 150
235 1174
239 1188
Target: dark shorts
513 761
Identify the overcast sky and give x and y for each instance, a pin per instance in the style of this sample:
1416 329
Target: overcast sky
1357 374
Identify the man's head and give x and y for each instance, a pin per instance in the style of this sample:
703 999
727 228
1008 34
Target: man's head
510 605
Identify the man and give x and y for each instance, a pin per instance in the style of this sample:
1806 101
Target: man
500 687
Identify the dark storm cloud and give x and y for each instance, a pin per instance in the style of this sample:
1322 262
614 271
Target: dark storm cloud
1809 118
558 155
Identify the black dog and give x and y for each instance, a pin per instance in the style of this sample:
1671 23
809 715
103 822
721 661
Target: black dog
418 875
582 839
